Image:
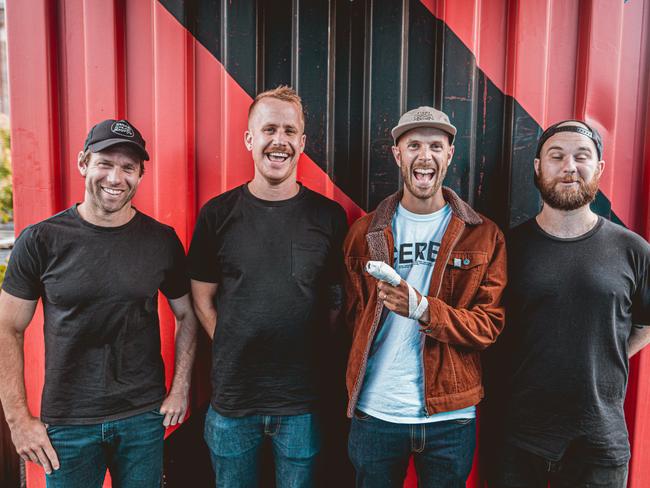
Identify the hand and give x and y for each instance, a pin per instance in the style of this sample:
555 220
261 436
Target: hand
396 298
32 443
174 408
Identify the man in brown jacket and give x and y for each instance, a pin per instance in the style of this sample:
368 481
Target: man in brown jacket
414 372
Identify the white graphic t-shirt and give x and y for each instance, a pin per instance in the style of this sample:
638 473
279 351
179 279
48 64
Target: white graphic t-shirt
393 387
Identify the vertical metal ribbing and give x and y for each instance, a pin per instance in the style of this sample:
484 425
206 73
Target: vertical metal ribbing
331 91
295 45
367 94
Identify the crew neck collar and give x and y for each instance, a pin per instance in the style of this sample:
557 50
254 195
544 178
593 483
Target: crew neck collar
103 228
586 235
274 203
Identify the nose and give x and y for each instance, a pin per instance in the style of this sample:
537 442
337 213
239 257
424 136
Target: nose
426 154
280 138
569 164
114 176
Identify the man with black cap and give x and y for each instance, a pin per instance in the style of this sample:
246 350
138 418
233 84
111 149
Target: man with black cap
97 267
578 284
414 374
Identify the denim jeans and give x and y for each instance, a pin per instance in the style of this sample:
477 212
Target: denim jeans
131 449
235 445
522 469
442 451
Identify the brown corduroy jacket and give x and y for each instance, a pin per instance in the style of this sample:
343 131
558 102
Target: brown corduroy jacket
464 296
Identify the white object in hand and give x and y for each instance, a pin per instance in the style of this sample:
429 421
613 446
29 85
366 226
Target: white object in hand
383 272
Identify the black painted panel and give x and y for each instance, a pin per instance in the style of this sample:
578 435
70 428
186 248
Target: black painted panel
524 198
459 103
349 168
422 28
240 42
357 68
277 30
490 173
382 98
312 74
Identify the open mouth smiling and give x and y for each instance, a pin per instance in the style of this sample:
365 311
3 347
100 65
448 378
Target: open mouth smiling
277 156
424 175
115 192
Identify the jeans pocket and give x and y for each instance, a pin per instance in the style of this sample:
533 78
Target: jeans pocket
359 415
463 421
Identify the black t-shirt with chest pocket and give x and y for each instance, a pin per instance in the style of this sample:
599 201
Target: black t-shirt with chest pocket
274 263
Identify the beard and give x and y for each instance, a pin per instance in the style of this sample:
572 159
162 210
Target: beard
423 193
566 198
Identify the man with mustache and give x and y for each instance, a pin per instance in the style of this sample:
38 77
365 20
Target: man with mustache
578 290
265 264
98 267
414 374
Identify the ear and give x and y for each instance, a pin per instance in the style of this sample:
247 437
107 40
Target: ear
536 163
303 139
397 155
452 148
248 140
601 167
81 164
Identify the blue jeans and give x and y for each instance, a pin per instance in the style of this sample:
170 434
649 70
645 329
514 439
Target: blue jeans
235 445
442 451
131 449
519 468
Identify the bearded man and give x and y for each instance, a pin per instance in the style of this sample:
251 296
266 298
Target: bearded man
414 374
578 284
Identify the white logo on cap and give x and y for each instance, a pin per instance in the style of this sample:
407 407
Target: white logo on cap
122 129
419 116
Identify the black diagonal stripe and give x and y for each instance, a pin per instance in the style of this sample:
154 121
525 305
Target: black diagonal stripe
357 73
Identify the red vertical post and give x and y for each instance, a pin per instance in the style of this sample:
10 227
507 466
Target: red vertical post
33 93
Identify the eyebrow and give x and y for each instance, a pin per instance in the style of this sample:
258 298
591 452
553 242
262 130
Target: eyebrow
410 141
558 148
273 124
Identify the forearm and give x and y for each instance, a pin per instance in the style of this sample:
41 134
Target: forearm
207 315
203 296
185 351
12 382
639 338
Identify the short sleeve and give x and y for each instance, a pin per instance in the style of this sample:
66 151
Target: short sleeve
202 257
335 264
176 282
641 297
23 275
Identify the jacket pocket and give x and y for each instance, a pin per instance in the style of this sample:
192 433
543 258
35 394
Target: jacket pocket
464 273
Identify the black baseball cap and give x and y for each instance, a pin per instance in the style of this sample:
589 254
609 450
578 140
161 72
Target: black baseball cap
112 132
586 131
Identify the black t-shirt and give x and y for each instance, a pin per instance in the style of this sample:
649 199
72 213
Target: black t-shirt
273 262
571 304
99 287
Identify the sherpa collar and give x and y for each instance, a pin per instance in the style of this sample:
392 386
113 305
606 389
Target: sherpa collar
386 209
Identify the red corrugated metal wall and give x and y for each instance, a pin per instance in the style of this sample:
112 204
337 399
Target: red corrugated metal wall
184 73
